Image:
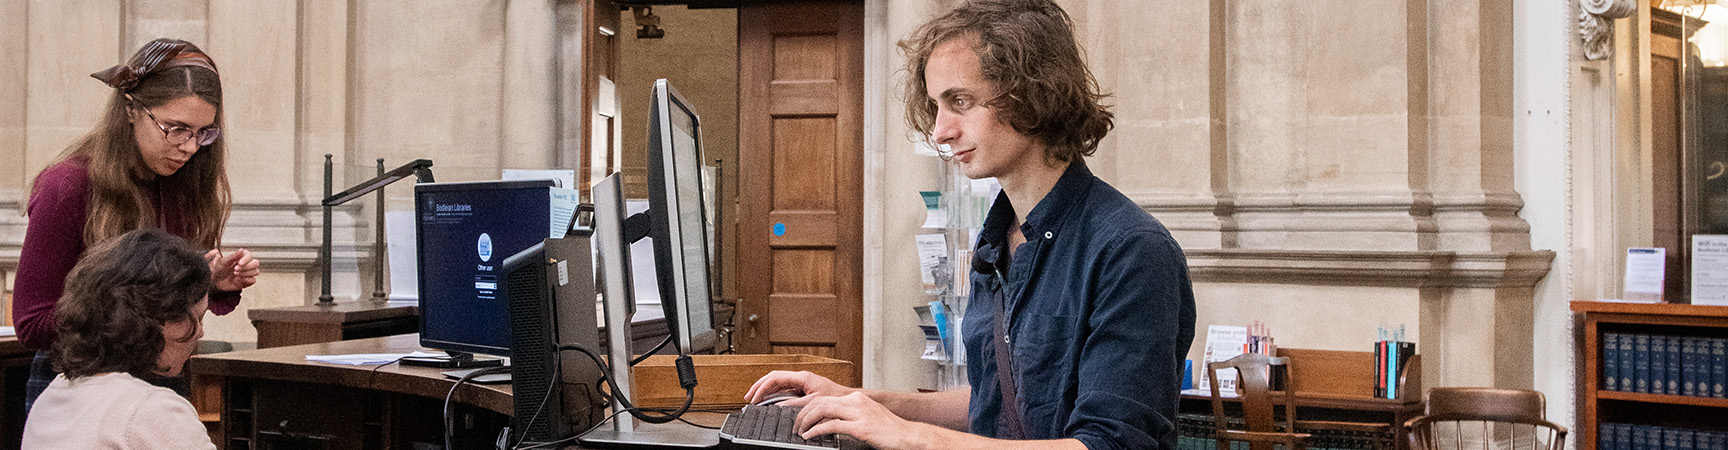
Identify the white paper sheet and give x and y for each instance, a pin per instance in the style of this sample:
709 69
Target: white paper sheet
1644 273
933 260
564 202
1222 342
399 246
361 359
1709 269
566 178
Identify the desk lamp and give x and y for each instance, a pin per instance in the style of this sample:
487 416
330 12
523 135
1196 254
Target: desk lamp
421 169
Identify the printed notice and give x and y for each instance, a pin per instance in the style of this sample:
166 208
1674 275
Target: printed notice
1709 269
1644 273
933 261
1222 342
564 204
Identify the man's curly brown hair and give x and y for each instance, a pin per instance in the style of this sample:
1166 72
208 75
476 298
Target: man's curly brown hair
118 298
1027 51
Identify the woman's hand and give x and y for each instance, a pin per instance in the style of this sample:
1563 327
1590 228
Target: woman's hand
232 272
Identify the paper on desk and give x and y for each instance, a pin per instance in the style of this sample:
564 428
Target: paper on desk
7 331
361 359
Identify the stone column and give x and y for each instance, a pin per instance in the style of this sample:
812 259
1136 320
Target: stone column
528 120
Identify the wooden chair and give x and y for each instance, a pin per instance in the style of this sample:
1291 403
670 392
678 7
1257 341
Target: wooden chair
1485 418
1263 429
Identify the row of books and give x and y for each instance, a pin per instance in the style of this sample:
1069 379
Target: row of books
1391 357
1658 364
1621 436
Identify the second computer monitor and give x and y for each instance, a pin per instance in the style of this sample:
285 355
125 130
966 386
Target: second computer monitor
680 226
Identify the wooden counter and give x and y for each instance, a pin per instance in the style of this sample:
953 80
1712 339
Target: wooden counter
306 324
275 397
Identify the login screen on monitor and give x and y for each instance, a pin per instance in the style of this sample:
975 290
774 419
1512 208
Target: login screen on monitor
466 230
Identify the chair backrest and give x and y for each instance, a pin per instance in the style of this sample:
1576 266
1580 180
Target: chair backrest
1256 380
1486 418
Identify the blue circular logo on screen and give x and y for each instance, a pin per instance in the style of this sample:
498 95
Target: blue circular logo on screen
485 247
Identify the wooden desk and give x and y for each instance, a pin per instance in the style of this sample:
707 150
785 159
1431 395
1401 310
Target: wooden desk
1334 396
275 397
14 371
295 325
1320 412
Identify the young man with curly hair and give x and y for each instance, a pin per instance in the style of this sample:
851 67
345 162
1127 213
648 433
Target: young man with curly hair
1081 309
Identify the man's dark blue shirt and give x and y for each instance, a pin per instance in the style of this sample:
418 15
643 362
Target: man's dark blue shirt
1101 316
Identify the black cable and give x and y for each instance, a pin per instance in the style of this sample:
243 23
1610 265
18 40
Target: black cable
685 375
374 374
449 421
651 352
694 424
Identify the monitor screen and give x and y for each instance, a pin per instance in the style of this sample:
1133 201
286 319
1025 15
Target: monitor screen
466 230
679 228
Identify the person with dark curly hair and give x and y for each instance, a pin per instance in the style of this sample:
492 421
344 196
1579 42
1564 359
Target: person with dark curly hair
154 160
133 310
1081 308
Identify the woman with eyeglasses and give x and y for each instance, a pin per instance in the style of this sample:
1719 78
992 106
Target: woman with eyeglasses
155 160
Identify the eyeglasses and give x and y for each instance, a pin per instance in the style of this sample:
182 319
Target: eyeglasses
178 135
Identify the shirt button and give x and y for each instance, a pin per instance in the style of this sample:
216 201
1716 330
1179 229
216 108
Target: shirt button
1049 235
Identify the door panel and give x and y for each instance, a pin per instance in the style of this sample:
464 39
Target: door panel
800 238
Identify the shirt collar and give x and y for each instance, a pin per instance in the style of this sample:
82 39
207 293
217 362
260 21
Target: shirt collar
1058 205
1069 192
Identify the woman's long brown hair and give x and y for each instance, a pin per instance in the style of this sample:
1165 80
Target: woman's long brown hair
199 191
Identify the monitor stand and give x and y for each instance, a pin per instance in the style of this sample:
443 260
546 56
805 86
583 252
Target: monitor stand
613 265
673 435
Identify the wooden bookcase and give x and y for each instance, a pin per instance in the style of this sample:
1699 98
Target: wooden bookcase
1604 406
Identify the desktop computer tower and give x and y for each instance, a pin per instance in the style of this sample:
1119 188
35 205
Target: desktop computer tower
550 288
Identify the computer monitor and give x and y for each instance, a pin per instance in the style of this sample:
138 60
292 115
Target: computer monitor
679 226
466 230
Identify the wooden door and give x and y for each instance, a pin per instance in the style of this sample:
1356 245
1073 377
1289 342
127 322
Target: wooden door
800 154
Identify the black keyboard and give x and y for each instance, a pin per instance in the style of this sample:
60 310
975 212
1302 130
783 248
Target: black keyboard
771 427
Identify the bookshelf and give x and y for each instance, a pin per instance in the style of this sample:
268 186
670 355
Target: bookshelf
958 217
1604 402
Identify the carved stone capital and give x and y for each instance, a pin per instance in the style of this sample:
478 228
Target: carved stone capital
1596 25
1597 33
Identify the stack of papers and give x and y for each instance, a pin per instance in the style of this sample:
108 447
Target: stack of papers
361 359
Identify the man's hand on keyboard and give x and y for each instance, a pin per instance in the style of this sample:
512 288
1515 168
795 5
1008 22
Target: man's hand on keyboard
812 385
856 415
